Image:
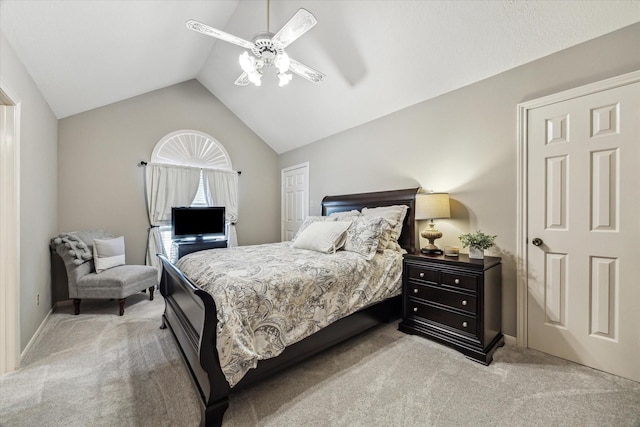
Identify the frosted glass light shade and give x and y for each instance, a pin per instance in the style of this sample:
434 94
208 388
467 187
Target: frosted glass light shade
247 63
255 78
285 78
283 62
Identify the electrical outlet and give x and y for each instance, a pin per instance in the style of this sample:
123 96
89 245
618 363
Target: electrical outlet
37 299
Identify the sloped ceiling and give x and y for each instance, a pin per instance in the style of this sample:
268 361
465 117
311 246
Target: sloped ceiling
379 56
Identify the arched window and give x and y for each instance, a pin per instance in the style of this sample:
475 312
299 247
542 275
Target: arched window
190 148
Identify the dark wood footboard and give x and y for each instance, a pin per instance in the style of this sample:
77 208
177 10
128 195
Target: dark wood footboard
190 314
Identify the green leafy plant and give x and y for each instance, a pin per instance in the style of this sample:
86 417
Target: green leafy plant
477 240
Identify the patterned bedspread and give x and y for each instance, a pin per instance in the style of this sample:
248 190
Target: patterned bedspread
270 296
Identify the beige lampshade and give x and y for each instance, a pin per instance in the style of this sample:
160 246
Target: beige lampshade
432 205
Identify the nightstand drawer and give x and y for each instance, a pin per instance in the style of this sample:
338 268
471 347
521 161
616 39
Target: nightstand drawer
425 274
460 281
452 299
458 321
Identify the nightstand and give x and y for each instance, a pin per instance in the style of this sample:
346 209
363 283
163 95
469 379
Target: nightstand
455 301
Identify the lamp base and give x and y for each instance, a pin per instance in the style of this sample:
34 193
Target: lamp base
428 251
431 234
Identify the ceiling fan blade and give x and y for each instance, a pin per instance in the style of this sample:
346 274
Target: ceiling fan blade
299 24
243 80
210 31
308 73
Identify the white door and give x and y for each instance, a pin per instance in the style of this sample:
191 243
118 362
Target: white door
9 232
583 301
295 199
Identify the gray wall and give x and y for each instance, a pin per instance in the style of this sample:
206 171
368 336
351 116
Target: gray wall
101 186
464 143
38 191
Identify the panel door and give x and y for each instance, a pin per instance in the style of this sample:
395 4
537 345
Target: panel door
583 203
295 199
9 236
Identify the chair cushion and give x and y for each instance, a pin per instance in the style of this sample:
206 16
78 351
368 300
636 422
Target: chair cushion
117 282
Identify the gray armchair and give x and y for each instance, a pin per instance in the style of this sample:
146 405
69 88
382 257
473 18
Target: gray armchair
75 250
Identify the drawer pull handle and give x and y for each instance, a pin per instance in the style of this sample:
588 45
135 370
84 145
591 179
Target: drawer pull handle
456 281
421 274
415 291
464 302
415 309
464 324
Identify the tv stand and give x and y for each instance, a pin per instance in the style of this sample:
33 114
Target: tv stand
187 246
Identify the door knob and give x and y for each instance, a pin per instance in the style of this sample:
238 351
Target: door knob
537 241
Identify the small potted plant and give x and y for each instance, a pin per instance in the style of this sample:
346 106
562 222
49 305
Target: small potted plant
477 243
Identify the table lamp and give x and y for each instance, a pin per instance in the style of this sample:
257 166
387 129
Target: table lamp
432 206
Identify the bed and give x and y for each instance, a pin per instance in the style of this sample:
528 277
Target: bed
191 315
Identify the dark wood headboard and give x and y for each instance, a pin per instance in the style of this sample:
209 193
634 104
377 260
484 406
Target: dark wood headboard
407 240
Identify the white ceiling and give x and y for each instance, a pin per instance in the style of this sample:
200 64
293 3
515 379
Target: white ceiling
379 56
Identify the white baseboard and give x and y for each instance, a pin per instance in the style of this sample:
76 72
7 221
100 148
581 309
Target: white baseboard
510 340
36 334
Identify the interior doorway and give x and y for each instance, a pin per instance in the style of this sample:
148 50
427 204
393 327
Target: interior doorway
295 199
9 230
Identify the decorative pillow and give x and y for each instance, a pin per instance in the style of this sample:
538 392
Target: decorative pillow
108 253
394 214
310 220
385 238
323 236
346 214
364 235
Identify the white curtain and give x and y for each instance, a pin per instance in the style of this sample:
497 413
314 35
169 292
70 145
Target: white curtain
167 186
221 189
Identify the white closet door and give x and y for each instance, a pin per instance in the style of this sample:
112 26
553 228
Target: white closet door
583 206
295 199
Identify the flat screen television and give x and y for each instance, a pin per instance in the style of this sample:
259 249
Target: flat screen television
197 223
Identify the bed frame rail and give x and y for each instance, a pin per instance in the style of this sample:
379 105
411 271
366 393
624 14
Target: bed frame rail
190 314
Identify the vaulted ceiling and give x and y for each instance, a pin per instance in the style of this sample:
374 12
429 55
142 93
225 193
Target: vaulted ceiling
379 56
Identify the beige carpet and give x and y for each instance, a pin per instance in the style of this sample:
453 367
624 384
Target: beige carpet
98 369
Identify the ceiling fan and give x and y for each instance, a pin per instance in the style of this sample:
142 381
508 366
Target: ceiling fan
267 49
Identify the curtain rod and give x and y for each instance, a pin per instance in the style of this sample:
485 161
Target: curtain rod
143 163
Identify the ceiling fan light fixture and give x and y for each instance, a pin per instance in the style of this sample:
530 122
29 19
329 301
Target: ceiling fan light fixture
285 78
283 62
247 63
255 78
252 67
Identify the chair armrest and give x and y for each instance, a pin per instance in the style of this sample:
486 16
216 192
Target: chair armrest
76 250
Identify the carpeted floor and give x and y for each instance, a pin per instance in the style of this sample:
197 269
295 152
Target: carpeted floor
99 369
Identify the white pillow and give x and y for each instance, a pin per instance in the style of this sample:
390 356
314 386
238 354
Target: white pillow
310 220
394 214
108 253
365 236
323 236
346 214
